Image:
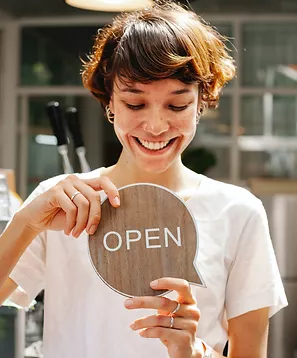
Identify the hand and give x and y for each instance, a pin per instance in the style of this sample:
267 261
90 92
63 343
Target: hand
176 331
54 209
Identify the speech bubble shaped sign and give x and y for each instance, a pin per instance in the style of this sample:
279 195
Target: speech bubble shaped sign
151 235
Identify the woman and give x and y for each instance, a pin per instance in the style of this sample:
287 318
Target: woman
154 71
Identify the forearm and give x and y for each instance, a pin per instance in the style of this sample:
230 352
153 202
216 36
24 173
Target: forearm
13 242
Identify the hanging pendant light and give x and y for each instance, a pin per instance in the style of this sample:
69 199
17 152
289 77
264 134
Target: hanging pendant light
110 5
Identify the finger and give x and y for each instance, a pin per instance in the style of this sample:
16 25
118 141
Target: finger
165 321
181 286
104 183
61 200
86 187
180 338
163 304
82 204
94 200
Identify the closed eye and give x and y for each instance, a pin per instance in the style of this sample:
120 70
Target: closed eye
178 108
173 108
135 107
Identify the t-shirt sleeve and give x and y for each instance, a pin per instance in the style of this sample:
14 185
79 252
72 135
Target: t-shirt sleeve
254 280
29 272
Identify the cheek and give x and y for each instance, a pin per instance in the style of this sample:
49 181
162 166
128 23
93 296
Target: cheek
124 120
186 125
125 126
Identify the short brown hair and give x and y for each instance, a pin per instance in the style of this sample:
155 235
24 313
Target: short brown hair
164 41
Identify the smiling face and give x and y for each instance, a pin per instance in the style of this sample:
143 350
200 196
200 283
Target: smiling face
154 122
168 46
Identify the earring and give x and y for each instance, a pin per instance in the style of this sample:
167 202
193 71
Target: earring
109 114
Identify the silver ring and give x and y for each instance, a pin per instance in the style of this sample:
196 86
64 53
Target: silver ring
74 195
176 308
171 322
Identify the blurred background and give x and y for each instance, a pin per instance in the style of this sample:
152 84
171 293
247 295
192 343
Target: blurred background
250 140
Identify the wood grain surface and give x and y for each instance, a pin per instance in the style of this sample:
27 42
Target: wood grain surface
151 235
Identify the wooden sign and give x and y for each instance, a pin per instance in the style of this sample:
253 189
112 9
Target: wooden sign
151 235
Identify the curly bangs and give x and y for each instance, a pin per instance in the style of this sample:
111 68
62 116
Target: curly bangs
165 41
150 50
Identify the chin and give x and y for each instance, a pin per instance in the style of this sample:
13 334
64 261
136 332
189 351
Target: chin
154 167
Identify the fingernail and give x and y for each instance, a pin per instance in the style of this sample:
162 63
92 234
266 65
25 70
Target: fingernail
154 283
132 325
74 233
92 229
128 303
116 201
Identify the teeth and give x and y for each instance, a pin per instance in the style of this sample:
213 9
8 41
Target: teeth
153 145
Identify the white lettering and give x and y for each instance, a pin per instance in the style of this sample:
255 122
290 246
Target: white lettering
128 239
105 241
148 238
167 233
137 237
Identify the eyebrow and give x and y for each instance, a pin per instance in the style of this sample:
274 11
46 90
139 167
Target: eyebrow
181 91
138 91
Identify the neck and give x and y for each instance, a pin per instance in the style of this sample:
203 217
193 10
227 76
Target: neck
124 173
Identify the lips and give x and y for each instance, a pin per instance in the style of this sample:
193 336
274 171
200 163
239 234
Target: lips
154 147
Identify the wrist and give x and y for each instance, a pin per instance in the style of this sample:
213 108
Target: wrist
20 220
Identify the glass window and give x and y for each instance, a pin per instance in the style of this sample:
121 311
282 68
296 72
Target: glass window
211 161
277 163
44 161
269 55
227 31
217 121
221 170
269 115
243 6
252 164
43 158
51 55
7 331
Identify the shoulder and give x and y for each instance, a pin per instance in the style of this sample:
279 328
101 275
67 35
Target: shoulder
228 193
218 199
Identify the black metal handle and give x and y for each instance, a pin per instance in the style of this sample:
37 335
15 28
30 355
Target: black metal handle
74 126
57 122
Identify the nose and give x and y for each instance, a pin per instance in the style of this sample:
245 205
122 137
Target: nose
155 124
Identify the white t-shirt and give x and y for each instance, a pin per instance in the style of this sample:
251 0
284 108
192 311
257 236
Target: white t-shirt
84 318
